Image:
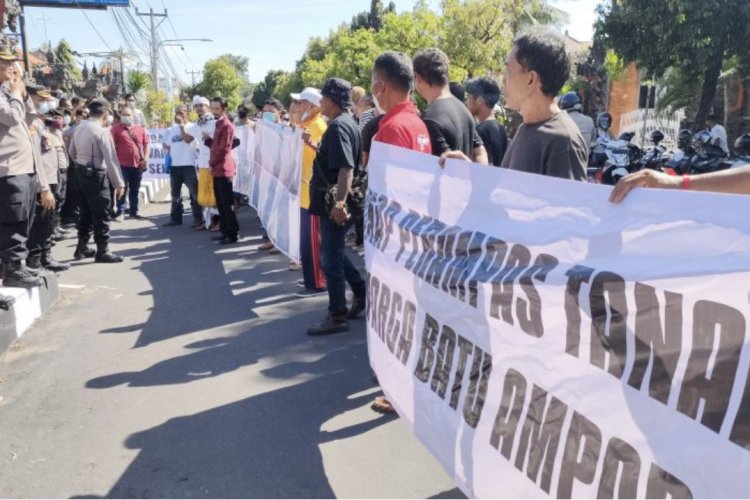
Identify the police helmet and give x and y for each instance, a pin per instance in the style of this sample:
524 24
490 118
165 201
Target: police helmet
570 101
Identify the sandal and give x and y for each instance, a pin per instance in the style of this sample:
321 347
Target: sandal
382 405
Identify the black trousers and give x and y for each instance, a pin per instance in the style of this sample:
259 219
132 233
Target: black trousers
71 208
95 205
177 177
17 203
225 204
40 235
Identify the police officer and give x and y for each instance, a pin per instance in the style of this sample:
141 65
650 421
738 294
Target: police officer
96 168
20 176
571 102
52 156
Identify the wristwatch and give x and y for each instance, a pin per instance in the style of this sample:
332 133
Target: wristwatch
340 204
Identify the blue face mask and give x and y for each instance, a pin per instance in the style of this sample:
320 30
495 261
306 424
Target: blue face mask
269 117
44 108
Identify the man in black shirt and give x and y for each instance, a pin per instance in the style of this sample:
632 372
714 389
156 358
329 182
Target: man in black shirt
451 126
339 154
483 96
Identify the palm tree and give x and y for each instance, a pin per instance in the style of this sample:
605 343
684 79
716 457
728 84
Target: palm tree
137 81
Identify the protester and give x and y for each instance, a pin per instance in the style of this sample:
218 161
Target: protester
272 110
243 155
484 93
184 153
223 170
548 142
133 150
52 158
205 125
295 114
451 126
366 110
392 83
314 127
571 103
338 156
93 151
138 118
718 133
458 91
21 176
357 94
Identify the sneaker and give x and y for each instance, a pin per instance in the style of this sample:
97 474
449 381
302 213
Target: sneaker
358 305
329 326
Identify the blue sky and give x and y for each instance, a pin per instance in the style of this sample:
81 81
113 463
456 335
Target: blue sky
272 34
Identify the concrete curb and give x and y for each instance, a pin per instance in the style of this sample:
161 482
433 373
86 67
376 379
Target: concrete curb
150 189
30 305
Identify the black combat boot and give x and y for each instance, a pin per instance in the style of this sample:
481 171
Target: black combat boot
51 264
104 256
83 250
18 275
6 301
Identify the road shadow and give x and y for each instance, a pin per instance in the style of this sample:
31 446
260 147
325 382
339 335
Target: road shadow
264 446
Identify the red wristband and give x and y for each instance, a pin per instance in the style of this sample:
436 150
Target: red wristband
686 182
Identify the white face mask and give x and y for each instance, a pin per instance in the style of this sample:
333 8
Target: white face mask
66 120
110 119
44 108
126 120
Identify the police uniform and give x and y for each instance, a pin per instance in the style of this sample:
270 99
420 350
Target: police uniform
52 158
20 181
96 168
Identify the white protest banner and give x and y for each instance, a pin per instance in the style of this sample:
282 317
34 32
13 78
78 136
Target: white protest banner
156 159
274 173
542 342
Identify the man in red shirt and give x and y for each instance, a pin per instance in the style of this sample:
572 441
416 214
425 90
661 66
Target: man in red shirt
133 150
223 170
392 82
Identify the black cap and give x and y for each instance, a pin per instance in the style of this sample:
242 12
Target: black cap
98 104
339 91
54 113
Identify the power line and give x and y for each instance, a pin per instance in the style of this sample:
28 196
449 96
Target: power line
94 27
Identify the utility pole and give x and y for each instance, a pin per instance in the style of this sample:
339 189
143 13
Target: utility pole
154 43
192 74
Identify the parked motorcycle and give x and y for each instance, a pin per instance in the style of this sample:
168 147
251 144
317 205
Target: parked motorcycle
655 157
742 150
613 159
709 157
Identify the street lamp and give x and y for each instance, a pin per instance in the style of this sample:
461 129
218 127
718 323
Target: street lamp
170 43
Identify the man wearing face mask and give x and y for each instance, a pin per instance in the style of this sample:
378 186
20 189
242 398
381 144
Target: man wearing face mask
52 158
205 126
314 127
133 150
93 151
272 110
70 208
21 175
183 168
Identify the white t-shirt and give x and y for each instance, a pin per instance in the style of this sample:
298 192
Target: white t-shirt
204 152
182 153
719 132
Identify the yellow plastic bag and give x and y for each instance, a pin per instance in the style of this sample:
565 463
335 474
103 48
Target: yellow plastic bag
206 197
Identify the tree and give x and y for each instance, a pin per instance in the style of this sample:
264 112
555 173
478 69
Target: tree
220 78
372 19
410 32
239 63
695 38
158 108
137 81
64 55
267 88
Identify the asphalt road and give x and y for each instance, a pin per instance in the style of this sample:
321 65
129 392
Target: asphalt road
186 372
